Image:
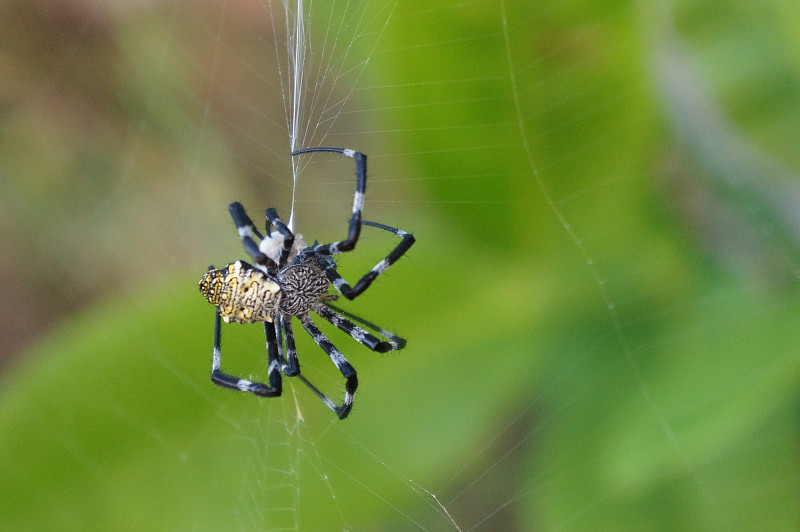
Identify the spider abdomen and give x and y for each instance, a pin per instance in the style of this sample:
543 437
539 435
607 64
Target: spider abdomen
242 293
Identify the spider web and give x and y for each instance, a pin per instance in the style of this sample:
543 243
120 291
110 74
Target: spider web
601 305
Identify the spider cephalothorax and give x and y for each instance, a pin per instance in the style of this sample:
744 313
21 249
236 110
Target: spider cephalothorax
290 279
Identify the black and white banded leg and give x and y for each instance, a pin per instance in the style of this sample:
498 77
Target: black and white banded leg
407 240
288 236
248 233
226 380
358 334
292 367
358 201
340 362
400 342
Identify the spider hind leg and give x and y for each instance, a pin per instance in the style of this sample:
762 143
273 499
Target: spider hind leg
225 380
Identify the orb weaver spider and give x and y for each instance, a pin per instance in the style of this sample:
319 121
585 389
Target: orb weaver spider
290 279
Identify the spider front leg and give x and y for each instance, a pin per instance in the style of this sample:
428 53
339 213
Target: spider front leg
358 201
351 292
225 380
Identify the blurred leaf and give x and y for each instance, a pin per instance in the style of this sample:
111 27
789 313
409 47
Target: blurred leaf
587 349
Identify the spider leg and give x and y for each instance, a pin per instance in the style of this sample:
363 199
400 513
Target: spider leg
292 367
357 333
351 292
248 233
288 236
401 343
358 201
225 380
340 362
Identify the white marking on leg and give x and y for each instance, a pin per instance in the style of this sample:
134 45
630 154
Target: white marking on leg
359 334
358 202
244 385
215 360
271 247
274 366
381 267
349 153
337 358
246 231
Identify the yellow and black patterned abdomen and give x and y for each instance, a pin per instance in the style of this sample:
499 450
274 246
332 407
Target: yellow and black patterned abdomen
242 293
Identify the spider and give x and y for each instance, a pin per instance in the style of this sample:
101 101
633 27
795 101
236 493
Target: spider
290 279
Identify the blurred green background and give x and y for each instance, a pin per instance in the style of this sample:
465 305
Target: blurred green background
601 307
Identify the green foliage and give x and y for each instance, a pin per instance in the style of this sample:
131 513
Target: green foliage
635 368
